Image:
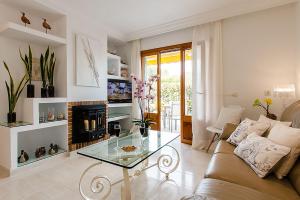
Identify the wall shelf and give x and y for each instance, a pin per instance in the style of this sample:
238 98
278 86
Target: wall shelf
17 31
116 117
33 159
115 105
52 124
117 77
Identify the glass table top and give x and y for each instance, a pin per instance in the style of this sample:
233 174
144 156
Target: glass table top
129 151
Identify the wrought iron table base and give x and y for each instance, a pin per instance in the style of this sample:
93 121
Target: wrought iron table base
98 183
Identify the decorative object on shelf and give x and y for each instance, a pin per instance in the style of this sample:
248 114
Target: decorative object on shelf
13 94
42 118
53 149
24 19
27 60
41 151
46 25
88 63
111 71
43 68
124 72
268 101
60 116
51 115
50 75
23 157
144 101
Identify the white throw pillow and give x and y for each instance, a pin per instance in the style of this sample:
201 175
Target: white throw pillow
260 153
289 137
245 128
229 115
263 118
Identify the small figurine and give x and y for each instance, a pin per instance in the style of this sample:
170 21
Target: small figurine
23 157
46 25
24 19
51 150
41 151
55 147
60 116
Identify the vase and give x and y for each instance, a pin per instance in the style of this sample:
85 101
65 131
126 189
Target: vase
271 116
44 92
30 91
146 132
51 91
11 117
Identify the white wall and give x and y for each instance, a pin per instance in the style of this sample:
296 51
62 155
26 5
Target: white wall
167 39
259 53
298 49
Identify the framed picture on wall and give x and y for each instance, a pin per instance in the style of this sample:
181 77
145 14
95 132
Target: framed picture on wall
88 61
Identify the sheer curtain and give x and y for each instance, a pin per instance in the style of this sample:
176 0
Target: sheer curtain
207 80
136 69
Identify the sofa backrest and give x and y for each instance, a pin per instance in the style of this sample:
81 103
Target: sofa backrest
292 114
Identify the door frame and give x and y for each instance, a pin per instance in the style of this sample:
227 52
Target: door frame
157 52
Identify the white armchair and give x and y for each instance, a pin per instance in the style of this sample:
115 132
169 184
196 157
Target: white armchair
231 114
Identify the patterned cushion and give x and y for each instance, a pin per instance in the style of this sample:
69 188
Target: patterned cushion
260 153
245 128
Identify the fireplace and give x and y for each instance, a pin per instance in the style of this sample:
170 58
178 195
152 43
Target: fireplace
88 123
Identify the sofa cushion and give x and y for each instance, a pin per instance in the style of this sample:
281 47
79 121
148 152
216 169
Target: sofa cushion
228 167
218 189
227 131
224 147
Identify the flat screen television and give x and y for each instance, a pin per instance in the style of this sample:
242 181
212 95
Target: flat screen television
119 91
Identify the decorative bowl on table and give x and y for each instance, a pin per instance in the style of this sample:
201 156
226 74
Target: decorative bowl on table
129 148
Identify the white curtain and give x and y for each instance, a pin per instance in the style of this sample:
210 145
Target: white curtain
207 80
136 69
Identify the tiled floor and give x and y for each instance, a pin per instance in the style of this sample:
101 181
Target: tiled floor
59 180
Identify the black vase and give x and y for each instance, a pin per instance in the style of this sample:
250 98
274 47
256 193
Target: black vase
30 91
51 91
11 117
44 92
142 130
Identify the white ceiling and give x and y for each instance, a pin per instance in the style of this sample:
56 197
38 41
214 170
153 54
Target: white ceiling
141 18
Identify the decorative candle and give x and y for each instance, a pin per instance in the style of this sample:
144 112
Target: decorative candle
86 125
93 124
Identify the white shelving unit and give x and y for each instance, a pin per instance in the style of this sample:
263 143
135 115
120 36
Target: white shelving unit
118 105
16 31
117 77
30 137
117 117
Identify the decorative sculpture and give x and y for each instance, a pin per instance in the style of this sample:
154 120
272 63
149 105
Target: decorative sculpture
23 157
24 19
46 25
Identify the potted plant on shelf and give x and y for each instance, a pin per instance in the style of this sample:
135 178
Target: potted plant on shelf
13 94
141 87
27 60
50 75
268 101
43 68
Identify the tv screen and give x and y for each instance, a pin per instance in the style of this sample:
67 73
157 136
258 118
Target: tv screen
119 91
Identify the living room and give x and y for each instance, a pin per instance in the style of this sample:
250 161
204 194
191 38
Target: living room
150 99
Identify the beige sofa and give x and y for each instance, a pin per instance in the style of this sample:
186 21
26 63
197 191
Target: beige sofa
229 178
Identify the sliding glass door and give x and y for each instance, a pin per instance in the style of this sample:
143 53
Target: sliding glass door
171 108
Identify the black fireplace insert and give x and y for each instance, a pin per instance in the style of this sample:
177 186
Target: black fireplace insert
88 123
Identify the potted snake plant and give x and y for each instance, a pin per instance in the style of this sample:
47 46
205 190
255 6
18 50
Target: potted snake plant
50 75
27 60
13 94
43 69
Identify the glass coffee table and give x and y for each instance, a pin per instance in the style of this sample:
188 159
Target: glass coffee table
127 152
